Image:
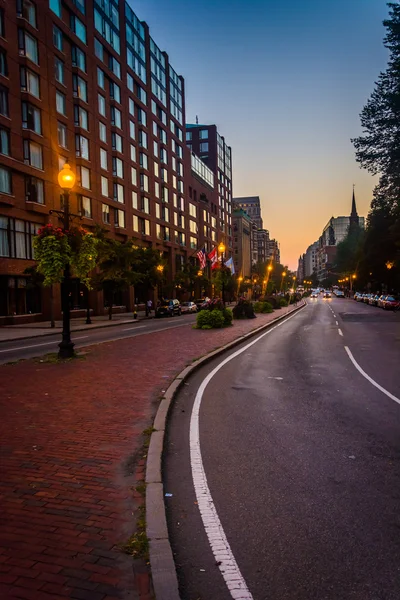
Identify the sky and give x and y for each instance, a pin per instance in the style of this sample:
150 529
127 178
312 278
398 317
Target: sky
285 82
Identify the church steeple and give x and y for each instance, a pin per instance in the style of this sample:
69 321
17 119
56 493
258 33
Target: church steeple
353 215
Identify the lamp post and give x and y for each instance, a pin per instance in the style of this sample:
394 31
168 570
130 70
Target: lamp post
283 276
160 270
240 279
221 250
66 181
352 278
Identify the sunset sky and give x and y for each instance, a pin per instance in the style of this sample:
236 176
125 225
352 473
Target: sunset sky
284 81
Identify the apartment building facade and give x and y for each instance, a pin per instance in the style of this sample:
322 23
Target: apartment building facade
83 81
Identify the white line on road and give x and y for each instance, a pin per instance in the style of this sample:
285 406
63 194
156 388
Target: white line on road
44 344
364 374
340 332
336 323
131 328
212 524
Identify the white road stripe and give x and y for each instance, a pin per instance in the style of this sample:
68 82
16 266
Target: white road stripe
336 323
212 524
131 328
37 345
364 374
340 332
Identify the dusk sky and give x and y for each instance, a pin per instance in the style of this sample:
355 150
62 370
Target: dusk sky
284 81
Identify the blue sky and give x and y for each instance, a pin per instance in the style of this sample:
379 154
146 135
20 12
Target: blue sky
285 83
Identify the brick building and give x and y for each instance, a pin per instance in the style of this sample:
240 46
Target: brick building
242 242
83 81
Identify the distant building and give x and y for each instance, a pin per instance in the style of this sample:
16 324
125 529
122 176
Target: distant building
300 268
310 260
274 254
334 232
206 142
252 205
262 245
242 242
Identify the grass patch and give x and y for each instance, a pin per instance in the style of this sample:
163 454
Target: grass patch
138 544
53 358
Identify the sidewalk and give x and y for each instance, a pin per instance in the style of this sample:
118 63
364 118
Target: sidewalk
71 457
42 328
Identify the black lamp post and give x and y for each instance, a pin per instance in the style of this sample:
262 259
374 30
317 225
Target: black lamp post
221 250
66 180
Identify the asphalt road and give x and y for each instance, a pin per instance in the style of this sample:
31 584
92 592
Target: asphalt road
301 453
33 347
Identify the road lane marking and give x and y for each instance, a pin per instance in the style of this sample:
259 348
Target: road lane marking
340 332
37 345
336 323
364 374
131 328
216 535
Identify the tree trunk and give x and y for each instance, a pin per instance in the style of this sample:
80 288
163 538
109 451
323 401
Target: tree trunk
110 305
52 323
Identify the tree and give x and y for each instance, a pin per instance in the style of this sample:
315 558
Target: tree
349 251
378 151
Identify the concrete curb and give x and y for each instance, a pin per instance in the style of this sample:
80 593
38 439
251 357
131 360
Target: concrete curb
163 571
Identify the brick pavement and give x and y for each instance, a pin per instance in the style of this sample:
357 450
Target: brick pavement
70 457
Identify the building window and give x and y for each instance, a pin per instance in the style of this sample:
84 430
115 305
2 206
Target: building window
118 193
78 28
143 139
114 66
3 101
34 190
98 49
119 218
135 201
156 189
145 205
116 117
82 147
100 78
16 237
141 116
55 6
3 63
58 38
204 147
203 134
4 141
115 92
27 10
163 155
189 136
85 177
80 5
102 104
62 135
5 181
116 142
2 28
104 186
28 46
61 103
156 169
133 176
85 207
105 211
132 129
103 159
59 70
80 87
143 160
133 153
81 117
33 154
31 118
118 167
78 58
102 132
30 82
144 182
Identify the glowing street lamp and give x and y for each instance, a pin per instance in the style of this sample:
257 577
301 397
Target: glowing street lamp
283 276
221 250
66 181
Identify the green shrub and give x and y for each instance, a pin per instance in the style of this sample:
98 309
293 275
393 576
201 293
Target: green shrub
243 310
273 301
210 319
263 307
283 302
228 317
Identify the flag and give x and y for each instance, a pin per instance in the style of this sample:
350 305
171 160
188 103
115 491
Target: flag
213 257
230 265
201 255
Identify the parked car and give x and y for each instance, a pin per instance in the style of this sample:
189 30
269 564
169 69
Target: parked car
391 303
200 302
382 300
356 295
366 298
373 301
168 308
188 307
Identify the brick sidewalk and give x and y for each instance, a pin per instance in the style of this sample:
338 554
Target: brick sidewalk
71 440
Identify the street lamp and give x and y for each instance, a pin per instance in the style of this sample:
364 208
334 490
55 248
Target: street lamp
269 269
66 181
160 270
221 250
283 276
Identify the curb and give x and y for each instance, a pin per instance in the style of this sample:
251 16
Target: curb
163 570
56 330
